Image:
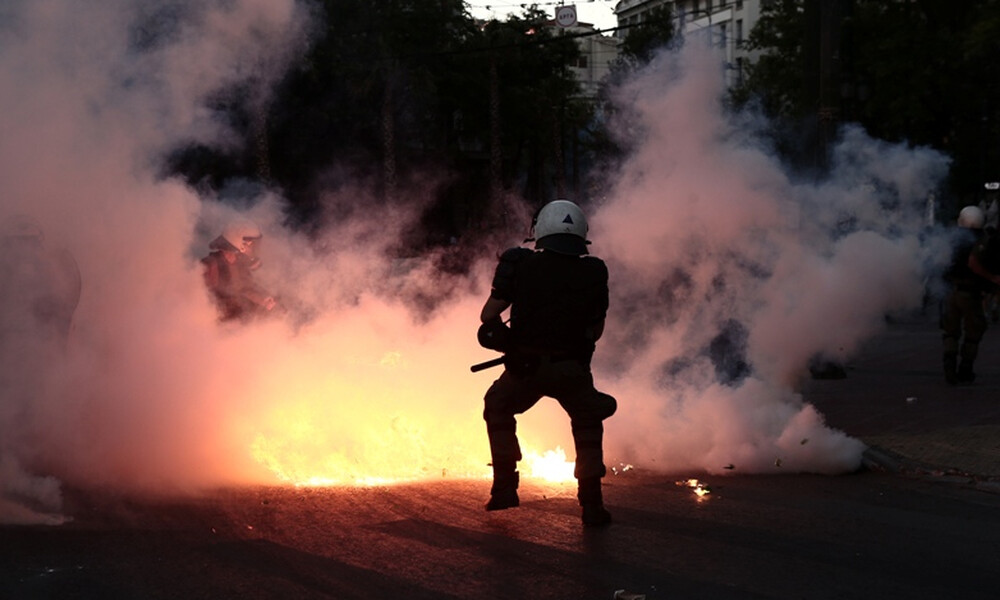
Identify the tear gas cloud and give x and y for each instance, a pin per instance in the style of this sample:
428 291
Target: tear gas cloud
359 378
731 276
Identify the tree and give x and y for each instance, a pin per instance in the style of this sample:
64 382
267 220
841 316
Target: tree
538 99
393 90
775 78
920 72
368 95
644 39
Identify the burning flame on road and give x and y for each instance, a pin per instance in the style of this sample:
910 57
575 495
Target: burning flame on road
299 462
700 489
551 466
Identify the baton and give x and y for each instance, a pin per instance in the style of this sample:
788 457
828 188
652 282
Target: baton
486 365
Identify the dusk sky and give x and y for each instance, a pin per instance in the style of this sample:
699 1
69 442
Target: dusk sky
601 13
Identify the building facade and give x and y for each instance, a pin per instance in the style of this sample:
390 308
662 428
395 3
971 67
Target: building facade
726 22
597 53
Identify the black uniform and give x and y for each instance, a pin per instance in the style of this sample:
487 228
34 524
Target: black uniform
963 318
558 305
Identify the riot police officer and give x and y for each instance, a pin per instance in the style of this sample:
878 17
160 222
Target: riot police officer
558 300
970 278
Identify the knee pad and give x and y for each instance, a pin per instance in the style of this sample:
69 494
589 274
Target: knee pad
606 405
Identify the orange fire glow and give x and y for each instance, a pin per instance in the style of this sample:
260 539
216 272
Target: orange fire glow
367 416
301 448
700 489
551 466
297 461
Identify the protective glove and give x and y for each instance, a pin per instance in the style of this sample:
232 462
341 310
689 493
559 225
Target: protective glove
494 334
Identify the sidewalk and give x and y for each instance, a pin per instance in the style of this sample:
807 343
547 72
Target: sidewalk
895 399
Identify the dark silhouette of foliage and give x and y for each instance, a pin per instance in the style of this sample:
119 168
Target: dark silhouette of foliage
922 72
394 90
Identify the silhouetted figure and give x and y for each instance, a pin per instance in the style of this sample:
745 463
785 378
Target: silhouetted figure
963 317
558 300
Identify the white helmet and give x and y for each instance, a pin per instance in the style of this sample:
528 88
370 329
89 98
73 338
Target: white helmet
242 236
561 226
971 217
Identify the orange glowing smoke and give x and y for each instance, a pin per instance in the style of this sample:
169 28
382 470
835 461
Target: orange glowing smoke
551 466
370 416
299 458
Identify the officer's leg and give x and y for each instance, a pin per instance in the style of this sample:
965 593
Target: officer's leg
588 431
508 396
974 329
587 408
588 438
951 331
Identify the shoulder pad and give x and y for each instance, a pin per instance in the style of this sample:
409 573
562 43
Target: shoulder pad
516 254
595 263
503 277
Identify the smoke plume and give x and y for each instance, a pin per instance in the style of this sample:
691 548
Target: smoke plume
731 277
728 277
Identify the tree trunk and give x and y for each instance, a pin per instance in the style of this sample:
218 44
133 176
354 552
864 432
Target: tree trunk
496 151
389 137
261 148
559 168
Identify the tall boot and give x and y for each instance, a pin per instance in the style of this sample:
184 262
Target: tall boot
592 502
965 372
968 353
951 367
503 494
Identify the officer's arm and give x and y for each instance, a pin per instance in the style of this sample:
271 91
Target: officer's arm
493 308
977 267
260 297
503 282
210 273
596 331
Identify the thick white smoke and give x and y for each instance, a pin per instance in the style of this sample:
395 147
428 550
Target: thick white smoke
93 95
730 277
357 378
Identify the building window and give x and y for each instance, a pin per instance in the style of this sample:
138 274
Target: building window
739 31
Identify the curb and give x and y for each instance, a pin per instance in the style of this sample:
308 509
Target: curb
876 458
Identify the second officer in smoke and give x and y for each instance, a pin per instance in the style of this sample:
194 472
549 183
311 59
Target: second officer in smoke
229 273
970 277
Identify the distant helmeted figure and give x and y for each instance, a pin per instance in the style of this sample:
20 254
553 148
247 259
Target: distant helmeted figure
971 275
229 273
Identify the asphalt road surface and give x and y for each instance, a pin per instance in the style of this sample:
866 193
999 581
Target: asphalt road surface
865 535
908 533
